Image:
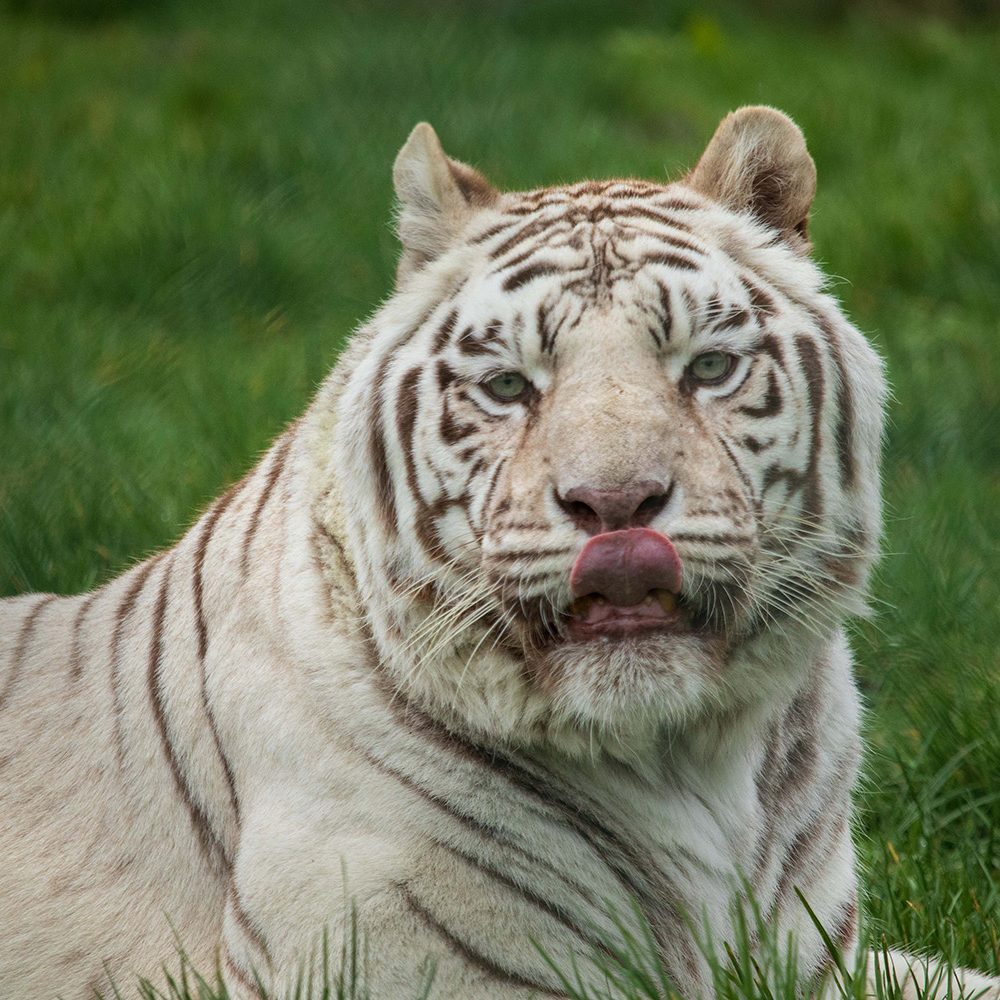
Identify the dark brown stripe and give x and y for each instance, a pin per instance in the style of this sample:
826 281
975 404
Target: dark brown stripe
762 302
719 539
471 345
197 576
451 430
751 493
772 404
525 232
736 316
645 212
213 728
253 933
385 491
666 311
444 332
210 844
755 444
529 273
496 230
245 981
76 651
407 406
491 484
512 554
275 470
635 870
485 965
487 832
336 545
673 260
812 367
539 902
845 408
546 335
118 633
678 204
23 639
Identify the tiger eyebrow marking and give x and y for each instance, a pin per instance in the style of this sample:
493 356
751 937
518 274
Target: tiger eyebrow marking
487 342
444 332
773 401
762 301
734 317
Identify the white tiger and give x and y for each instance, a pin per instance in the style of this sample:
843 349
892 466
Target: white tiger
533 616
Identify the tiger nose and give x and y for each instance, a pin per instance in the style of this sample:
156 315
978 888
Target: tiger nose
597 511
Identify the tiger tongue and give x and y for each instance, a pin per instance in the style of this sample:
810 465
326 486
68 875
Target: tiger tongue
624 566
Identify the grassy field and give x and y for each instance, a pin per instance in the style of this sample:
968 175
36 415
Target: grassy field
194 212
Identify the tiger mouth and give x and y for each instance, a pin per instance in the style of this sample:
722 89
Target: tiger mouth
593 616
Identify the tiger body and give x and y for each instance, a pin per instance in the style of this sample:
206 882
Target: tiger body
352 681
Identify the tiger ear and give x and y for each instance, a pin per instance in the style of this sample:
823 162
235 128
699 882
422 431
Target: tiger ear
757 162
435 196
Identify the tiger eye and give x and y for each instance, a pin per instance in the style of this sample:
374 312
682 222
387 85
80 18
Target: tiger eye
711 367
507 386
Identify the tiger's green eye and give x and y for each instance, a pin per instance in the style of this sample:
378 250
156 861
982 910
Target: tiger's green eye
507 386
711 367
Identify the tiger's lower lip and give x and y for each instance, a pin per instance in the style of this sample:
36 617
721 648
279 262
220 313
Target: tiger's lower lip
593 616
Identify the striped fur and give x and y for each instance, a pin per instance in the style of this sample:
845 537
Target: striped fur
351 680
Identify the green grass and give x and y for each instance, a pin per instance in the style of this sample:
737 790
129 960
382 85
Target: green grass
194 212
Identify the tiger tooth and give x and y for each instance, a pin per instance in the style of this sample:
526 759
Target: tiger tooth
667 600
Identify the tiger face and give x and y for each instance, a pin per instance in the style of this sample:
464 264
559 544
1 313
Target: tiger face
610 453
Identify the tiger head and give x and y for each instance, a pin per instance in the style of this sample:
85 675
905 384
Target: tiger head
609 454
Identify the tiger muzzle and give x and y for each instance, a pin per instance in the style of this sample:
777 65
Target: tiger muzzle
626 583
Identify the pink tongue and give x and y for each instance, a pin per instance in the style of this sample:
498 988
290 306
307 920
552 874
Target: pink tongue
624 566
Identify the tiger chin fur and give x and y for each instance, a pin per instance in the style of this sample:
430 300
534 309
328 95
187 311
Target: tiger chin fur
352 684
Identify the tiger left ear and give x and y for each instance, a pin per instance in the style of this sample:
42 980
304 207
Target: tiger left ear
436 197
757 162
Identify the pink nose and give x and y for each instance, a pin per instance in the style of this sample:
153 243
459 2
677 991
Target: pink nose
624 566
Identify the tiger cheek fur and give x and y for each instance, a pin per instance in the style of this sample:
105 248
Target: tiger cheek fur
379 670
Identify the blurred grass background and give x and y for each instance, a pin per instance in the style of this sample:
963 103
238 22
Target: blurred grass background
194 213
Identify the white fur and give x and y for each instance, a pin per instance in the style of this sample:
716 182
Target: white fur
424 776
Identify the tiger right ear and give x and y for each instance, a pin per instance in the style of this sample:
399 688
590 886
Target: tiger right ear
435 196
757 162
